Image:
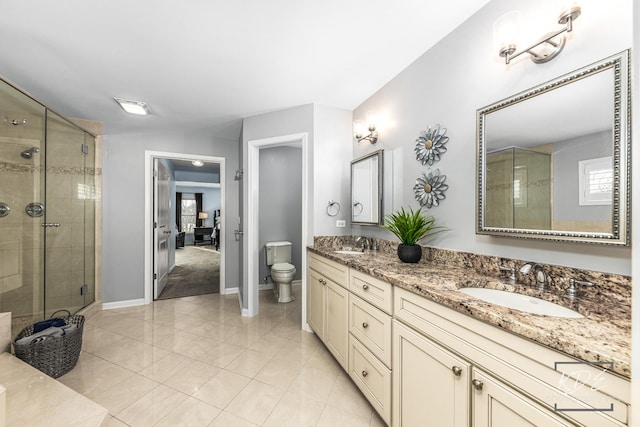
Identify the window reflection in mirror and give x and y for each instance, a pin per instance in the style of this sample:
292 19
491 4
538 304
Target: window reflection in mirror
366 189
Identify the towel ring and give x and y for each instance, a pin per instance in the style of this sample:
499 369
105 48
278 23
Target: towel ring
333 208
355 207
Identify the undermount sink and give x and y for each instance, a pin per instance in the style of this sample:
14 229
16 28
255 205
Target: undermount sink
521 302
349 252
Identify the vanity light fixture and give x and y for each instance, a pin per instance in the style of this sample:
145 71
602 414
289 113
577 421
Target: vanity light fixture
358 129
548 47
133 107
197 163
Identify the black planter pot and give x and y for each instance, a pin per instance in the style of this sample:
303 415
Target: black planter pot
409 253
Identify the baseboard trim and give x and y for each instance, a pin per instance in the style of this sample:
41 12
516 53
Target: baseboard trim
243 311
231 291
296 283
122 304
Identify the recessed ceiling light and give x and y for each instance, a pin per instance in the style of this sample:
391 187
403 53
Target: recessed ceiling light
133 107
197 163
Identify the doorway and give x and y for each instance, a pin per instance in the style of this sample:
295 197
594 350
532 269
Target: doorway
151 289
252 249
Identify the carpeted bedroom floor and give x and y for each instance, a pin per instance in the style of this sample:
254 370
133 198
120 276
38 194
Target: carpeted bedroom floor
197 272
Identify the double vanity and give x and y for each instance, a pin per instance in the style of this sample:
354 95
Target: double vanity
424 352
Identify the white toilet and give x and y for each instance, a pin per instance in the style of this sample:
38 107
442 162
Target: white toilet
278 256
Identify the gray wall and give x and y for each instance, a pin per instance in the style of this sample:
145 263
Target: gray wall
281 203
461 74
329 132
196 176
332 133
123 204
566 198
284 122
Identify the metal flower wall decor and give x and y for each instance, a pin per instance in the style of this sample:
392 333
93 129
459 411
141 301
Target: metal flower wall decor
430 145
430 187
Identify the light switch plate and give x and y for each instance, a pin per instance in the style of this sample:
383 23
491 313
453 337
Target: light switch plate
340 223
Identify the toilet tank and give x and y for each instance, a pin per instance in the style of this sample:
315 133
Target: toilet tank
277 252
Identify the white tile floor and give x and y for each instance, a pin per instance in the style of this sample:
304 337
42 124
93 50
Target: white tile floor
196 362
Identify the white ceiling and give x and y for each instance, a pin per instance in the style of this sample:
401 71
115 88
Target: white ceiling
208 63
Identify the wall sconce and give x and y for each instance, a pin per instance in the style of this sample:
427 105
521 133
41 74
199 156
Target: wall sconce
358 129
505 34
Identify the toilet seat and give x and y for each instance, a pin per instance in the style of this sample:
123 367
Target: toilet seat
283 267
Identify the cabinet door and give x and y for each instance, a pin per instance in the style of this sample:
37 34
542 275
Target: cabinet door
495 404
316 303
430 384
336 336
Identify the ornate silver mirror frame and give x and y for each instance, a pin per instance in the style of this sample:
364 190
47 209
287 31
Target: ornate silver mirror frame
491 140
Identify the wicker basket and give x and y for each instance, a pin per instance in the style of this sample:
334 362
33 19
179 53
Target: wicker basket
55 356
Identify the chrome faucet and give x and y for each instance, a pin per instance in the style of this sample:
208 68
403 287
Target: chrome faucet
512 273
365 245
541 277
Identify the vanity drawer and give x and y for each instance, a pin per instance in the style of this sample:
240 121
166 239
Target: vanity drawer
375 291
371 327
332 270
371 377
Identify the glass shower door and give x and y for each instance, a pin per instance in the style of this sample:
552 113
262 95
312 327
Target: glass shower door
65 229
22 170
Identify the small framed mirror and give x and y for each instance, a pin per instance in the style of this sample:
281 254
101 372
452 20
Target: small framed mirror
554 161
366 189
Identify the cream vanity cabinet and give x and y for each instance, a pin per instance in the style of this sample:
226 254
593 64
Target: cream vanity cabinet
370 308
351 313
451 369
430 384
328 305
495 404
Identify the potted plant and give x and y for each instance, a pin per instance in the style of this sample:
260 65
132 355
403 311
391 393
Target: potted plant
411 227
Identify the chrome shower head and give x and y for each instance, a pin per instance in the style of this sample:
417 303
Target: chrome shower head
28 153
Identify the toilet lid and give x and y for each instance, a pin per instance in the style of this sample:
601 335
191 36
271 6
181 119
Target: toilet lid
283 267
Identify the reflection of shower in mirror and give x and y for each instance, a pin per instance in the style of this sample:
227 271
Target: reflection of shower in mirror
28 153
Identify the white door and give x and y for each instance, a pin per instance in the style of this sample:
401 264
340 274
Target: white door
162 228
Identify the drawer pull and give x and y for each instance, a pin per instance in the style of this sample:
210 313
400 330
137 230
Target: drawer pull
365 373
457 371
365 325
365 287
322 281
477 384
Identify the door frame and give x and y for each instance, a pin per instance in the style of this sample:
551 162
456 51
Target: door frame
149 157
251 251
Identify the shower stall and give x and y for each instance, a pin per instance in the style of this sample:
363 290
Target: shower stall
47 211
519 189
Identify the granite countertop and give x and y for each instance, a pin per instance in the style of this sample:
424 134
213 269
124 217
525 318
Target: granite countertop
603 335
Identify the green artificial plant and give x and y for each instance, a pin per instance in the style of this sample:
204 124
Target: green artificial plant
411 227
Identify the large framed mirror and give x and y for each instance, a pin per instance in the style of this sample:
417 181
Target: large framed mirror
366 189
554 162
